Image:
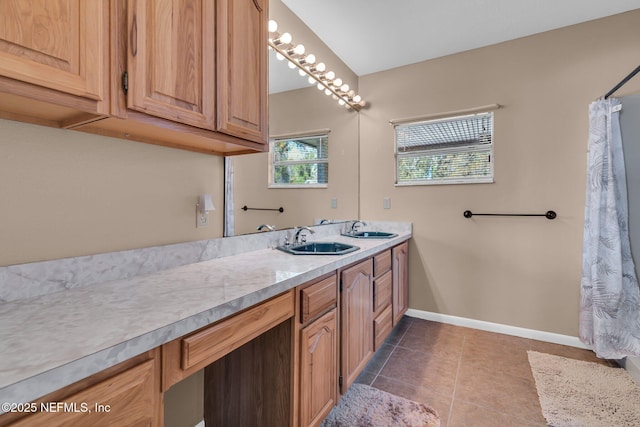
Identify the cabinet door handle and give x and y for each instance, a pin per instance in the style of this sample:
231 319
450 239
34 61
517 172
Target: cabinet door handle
133 38
257 5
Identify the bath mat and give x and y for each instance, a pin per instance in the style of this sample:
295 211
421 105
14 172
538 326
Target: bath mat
363 405
574 393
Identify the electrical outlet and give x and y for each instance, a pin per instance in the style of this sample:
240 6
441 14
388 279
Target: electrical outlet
386 203
334 203
202 219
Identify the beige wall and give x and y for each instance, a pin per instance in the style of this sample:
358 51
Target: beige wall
514 271
66 193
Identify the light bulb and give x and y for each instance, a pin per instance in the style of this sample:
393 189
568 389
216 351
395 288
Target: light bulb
279 56
327 92
351 93
344 88
286 38
310 59
302 73
335 97
291 65
357 99
362 103
330 75
341 101
299 50
337 82
321 67
273 26
320 86
311 80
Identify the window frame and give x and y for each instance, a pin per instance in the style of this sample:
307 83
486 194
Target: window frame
462 148
273 164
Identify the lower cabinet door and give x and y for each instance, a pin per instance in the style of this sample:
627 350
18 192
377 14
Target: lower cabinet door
318 369
127 399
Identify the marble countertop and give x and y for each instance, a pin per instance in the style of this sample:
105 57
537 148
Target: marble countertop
51 341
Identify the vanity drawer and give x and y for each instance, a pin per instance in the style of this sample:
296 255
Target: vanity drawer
184 356
382 325
382 289
317 298
381 263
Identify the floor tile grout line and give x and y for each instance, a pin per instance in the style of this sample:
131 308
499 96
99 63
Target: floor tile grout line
390 353
455 383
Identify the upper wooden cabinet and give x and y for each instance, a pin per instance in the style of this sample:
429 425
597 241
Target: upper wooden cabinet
54 53
188 74
171 61
242 68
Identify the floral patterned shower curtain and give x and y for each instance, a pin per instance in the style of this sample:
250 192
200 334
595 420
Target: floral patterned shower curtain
610 297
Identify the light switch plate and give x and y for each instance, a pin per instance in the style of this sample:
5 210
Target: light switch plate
386 203
334 203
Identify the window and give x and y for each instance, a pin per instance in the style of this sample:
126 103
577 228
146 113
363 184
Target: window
297 162
453 150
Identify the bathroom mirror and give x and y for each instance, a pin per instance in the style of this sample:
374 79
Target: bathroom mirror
296 107
295 112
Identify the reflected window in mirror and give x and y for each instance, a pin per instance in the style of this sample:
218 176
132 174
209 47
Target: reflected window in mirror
299 162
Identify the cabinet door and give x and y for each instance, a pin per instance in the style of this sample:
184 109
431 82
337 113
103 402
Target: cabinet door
57 44
241 34
400 258
171 60
356 320
128 398
318 369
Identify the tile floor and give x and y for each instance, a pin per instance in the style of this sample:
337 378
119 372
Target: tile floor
472 378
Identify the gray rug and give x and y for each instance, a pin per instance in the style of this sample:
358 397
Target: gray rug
574 393
367 406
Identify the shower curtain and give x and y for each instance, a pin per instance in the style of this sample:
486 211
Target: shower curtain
610 297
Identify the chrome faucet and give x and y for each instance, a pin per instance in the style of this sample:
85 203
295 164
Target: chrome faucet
355 225
266 226
325 221
301 238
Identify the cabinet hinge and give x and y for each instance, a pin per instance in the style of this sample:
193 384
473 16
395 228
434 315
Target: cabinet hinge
125 82
340 380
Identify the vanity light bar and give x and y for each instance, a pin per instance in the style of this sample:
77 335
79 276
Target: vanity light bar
283 45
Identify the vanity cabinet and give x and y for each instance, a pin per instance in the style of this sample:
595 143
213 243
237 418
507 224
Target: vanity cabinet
382 296
356 321
284 361
318 345
400 261
54 59
126 394
184 356
189 74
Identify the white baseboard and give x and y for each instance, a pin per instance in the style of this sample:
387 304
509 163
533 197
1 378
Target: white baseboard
498 328
632 365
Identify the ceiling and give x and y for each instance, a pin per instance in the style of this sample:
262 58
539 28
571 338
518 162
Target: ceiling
376 35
